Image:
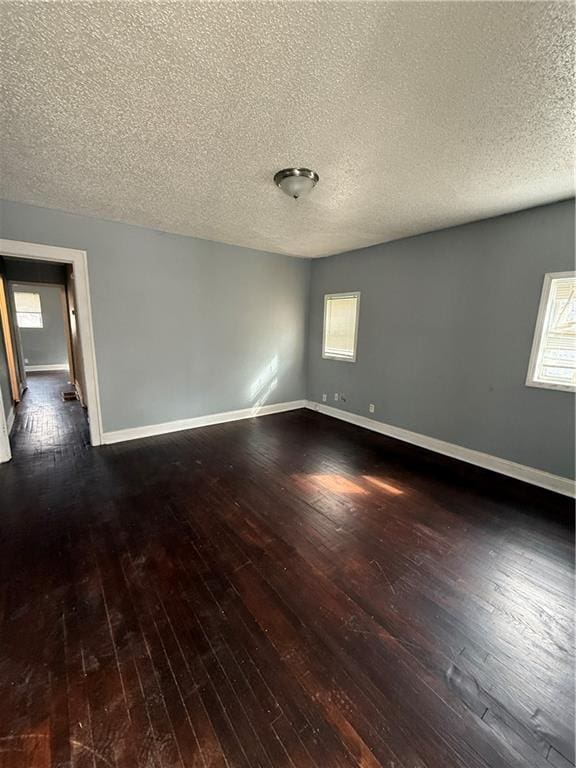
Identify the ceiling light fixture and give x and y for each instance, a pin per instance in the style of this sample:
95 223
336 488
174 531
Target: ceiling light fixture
296 182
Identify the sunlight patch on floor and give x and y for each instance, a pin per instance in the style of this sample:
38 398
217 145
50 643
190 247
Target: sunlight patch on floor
386 487
362 485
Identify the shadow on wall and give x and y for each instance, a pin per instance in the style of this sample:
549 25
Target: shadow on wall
264 384
266 381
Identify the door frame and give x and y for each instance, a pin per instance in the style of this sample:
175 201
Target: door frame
63 308
68 332
79 261
10 342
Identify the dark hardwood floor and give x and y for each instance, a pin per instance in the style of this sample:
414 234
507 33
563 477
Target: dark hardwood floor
288 591
46 428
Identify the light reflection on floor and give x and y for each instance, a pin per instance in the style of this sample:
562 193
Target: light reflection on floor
386 487
362 485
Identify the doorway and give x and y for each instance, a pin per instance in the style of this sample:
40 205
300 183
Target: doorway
47 353
42 323
49 419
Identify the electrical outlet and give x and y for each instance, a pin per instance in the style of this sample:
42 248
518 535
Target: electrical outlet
324 397
336 397
371 408
342 397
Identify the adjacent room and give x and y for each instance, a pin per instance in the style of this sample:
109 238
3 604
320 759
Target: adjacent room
287 376
43 357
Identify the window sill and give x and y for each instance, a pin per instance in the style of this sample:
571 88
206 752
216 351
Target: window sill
340 359
547 385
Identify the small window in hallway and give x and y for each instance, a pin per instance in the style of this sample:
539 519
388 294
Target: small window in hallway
28 309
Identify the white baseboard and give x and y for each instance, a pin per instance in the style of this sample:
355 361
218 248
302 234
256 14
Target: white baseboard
531 475
136 433
7 424
538 477
46 367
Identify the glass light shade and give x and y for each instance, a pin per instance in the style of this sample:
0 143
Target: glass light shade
296 186
296 182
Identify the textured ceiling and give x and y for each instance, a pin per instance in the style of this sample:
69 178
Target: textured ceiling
175 116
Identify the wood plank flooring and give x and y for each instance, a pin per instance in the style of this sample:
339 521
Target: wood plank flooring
283 592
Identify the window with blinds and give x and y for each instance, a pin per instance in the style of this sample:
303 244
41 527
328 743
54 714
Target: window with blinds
28 309
553 358
340 326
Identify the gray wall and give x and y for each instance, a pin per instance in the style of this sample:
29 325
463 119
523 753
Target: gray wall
186 327
46 345
445 330
183 327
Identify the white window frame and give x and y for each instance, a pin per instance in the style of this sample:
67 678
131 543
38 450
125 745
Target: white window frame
348 295
541 324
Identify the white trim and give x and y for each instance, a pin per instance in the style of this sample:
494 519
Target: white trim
78 260
348 295
47 367
531 475
152 430
10 420
5 452
6 424
541 323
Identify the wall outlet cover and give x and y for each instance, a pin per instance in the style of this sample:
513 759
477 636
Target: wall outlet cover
371 408
324 397
335 396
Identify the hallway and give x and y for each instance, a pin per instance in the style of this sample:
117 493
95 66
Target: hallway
46 427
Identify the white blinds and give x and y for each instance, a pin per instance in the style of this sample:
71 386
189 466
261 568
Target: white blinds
340 317
556 361
28 309
27 302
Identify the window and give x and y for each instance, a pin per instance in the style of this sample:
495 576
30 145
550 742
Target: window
553 357
340 326
28 309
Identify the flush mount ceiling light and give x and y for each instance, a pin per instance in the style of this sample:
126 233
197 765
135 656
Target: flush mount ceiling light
296 182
